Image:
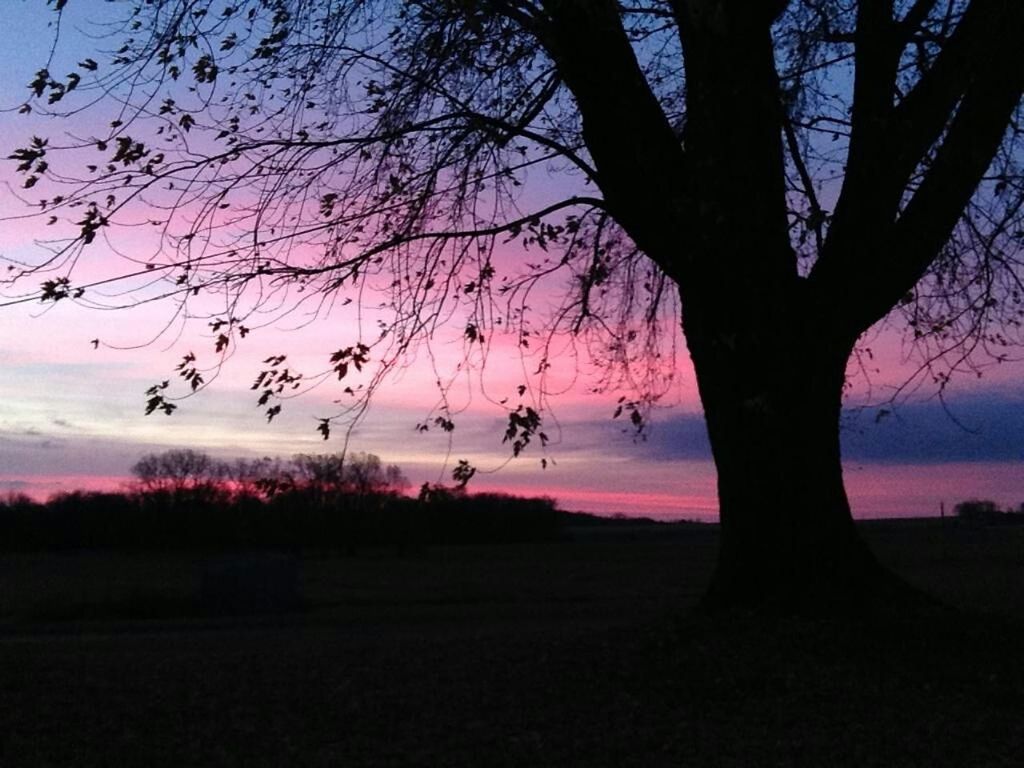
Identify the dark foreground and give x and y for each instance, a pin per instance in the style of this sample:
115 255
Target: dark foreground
571 653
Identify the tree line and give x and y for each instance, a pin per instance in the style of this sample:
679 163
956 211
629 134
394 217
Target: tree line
987 511
188 500
776 178
190 475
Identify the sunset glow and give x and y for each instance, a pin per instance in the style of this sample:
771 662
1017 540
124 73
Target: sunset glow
71 411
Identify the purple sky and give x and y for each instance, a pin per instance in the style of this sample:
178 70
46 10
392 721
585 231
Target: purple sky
72 416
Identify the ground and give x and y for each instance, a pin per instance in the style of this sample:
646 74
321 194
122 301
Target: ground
578 652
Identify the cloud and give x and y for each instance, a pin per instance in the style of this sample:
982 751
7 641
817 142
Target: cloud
40 454
969 428
668 437
984 426
682 437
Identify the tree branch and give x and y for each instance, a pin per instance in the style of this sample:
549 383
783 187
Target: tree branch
734 141
640 179
817 218
915 17
867 201
867 252
925 111
932 213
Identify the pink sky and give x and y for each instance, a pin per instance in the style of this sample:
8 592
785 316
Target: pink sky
72 416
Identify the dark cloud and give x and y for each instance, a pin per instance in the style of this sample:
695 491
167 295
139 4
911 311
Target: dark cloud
22 454
668 437
982 427
978 427
683 437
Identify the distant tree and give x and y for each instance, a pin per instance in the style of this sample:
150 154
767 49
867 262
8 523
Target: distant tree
779 175
181 473
147 473
355 474
253 478
16 499
978 510
320 474
364 474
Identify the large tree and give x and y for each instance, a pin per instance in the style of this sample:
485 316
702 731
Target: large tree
778 175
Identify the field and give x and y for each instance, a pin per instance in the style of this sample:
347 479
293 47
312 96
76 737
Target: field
577 652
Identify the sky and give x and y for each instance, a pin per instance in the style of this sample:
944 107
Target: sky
71 416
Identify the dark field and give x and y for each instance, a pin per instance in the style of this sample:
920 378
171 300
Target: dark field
579 652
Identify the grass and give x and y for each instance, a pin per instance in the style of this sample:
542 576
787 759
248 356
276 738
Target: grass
573 653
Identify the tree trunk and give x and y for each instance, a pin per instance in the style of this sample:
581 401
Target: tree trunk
788 541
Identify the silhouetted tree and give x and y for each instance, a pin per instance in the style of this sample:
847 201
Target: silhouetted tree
364 474
352 474
182 474
791 172
977 510
253 478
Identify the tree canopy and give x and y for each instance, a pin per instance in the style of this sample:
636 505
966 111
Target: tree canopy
294 152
